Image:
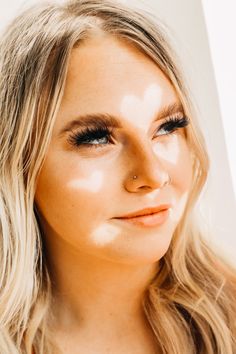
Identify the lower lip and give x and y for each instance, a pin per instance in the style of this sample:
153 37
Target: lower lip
150 220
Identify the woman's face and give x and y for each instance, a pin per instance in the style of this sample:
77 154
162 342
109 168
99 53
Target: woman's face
86 181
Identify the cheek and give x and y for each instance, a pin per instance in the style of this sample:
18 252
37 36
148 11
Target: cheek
175 155
69 195
182 178
183 169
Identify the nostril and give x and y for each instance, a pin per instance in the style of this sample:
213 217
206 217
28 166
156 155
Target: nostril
145 187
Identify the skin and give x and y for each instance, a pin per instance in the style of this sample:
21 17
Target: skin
100 266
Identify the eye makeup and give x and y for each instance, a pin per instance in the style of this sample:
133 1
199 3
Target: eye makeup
100 135
94 134
171 124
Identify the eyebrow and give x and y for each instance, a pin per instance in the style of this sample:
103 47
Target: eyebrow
112 121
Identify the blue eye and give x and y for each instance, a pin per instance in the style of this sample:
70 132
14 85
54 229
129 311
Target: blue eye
172 124
101 136
94 137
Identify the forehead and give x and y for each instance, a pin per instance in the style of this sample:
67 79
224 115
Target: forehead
108 75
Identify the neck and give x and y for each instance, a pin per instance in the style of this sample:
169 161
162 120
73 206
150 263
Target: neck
88 290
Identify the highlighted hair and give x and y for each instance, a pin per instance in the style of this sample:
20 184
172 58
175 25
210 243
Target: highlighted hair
190 304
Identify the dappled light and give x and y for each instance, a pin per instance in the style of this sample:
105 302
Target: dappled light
137 109
169 152
105 234
92 183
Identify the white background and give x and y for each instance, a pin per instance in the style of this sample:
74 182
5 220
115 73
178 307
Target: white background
204 37
221 25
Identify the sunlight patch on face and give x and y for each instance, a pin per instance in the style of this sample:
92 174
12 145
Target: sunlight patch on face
141 108
105 234
93 183
180 204
169 151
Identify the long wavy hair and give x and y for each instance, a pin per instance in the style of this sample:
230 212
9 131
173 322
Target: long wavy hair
190 304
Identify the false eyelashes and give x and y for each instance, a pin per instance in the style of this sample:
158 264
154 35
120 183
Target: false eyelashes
100 135
89 134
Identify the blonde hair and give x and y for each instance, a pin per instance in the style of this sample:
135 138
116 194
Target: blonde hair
190 304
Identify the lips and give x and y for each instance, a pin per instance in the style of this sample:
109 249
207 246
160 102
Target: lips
146 211
147 218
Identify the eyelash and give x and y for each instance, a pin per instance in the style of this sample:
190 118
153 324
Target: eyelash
88 135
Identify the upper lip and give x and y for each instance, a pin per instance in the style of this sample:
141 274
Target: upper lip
146 211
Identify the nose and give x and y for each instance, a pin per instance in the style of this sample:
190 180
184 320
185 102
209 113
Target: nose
148 168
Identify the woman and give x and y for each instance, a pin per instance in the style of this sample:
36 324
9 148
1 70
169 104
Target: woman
102 163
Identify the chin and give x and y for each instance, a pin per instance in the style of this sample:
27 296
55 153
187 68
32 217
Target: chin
148 254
